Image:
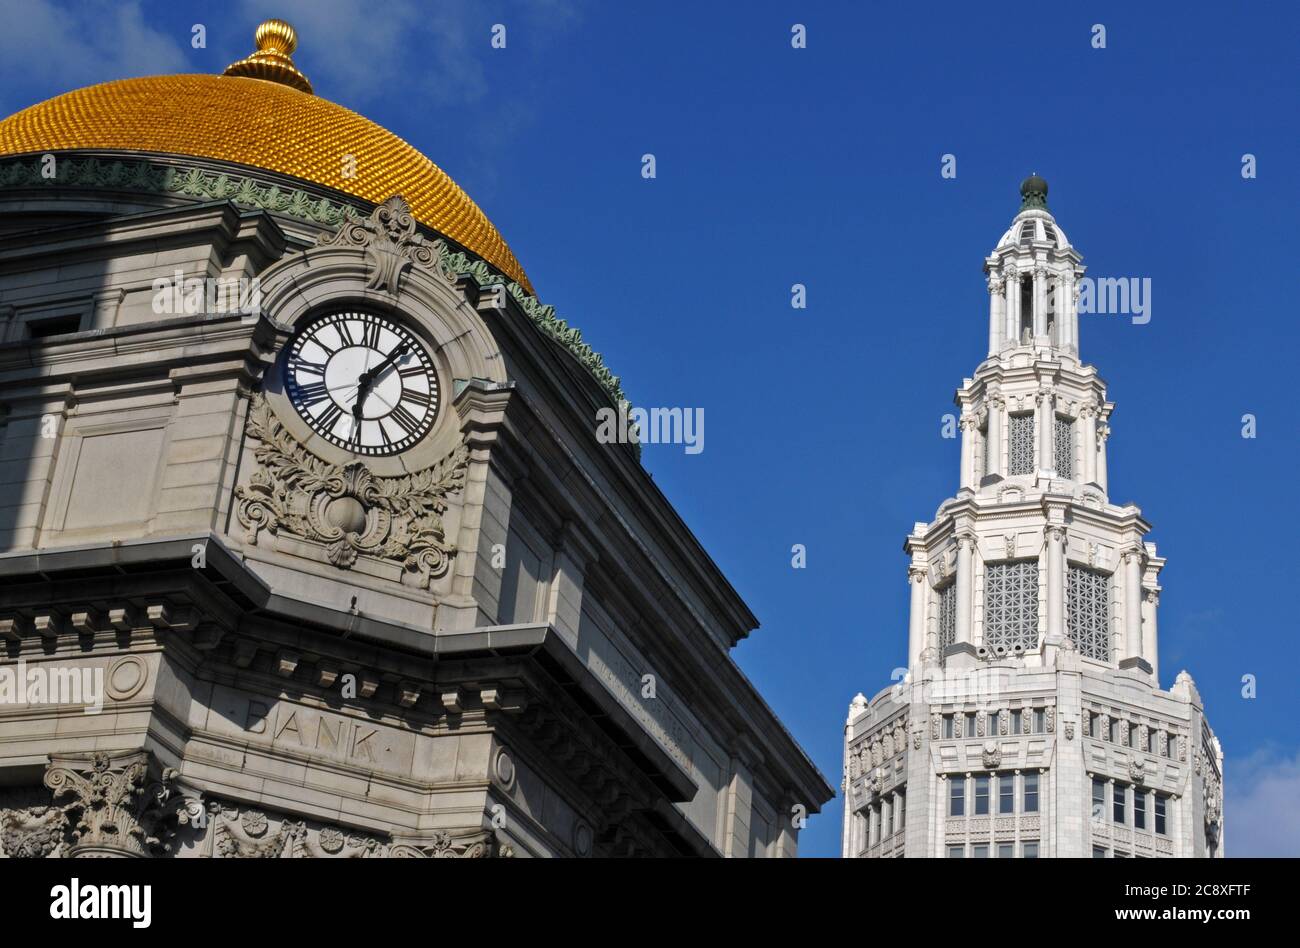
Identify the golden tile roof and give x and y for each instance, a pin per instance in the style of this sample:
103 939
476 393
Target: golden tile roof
261 113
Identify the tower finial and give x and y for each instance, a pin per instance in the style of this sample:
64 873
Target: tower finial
276 40
1033 192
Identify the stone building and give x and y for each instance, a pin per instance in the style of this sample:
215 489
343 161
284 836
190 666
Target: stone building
307 542
1031 721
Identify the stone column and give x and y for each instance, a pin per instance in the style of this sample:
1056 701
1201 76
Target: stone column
1074 313
1011 286
969 425
1150 644
1045 430
993 445
1068 317
1040 301
120 804
564 597
1088 431
1103 432
965 584
1055 580
997 313
916 578
1133 603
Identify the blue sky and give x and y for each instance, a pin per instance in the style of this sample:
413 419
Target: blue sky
821 166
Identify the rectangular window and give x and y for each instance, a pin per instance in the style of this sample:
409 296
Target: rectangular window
1029 849
1161 828
980 851
1015 722
947 725
1006 850
1119 797
1098 852
1064 447
947 617
886 814
1092 724
1007 793
1011 605
1172 750
900 811
982 795
956 852
1088 607
1021 454
1110 730
970 724
1139 809
1098 799
1132 740
993 723
1040 721
1031 793
957 797
1152 735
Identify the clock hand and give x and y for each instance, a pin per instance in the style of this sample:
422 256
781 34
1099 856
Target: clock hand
367 378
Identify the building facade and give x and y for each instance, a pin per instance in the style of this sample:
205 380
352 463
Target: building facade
300 486
1030 721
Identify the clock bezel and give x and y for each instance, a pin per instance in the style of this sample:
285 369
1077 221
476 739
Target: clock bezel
445 433
403 329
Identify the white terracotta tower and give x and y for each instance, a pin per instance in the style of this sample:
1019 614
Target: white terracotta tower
1030 721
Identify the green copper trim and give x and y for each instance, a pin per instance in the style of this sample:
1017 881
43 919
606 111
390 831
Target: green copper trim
250 193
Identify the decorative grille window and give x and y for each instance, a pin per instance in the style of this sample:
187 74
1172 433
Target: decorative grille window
1089 612
947 617
986 449
1011 604
1064 447
1022 444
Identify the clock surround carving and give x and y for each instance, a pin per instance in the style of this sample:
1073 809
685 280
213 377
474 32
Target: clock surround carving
346 508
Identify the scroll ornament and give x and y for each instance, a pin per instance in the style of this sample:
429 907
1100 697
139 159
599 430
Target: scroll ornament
391 242
346 508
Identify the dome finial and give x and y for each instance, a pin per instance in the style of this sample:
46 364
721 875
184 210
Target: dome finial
276 40
1033 192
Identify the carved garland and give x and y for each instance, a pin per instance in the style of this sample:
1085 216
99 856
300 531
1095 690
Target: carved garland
292 491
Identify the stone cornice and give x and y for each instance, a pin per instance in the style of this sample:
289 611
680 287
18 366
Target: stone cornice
251 190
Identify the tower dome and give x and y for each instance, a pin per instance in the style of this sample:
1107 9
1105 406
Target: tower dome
260 113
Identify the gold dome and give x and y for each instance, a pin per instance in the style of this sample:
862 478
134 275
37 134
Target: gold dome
260 115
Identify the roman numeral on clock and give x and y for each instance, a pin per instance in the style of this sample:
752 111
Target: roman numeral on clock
405 420
325 420
312 393
422 399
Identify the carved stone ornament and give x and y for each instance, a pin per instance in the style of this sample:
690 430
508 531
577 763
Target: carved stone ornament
477 845
1069 730
1137 770
992 756
400 518
114 810
32 832
391 243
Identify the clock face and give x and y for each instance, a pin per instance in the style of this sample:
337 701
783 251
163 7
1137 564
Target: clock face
363 382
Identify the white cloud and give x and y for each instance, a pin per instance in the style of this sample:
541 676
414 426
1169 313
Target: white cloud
81 42
1260 794
430 54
